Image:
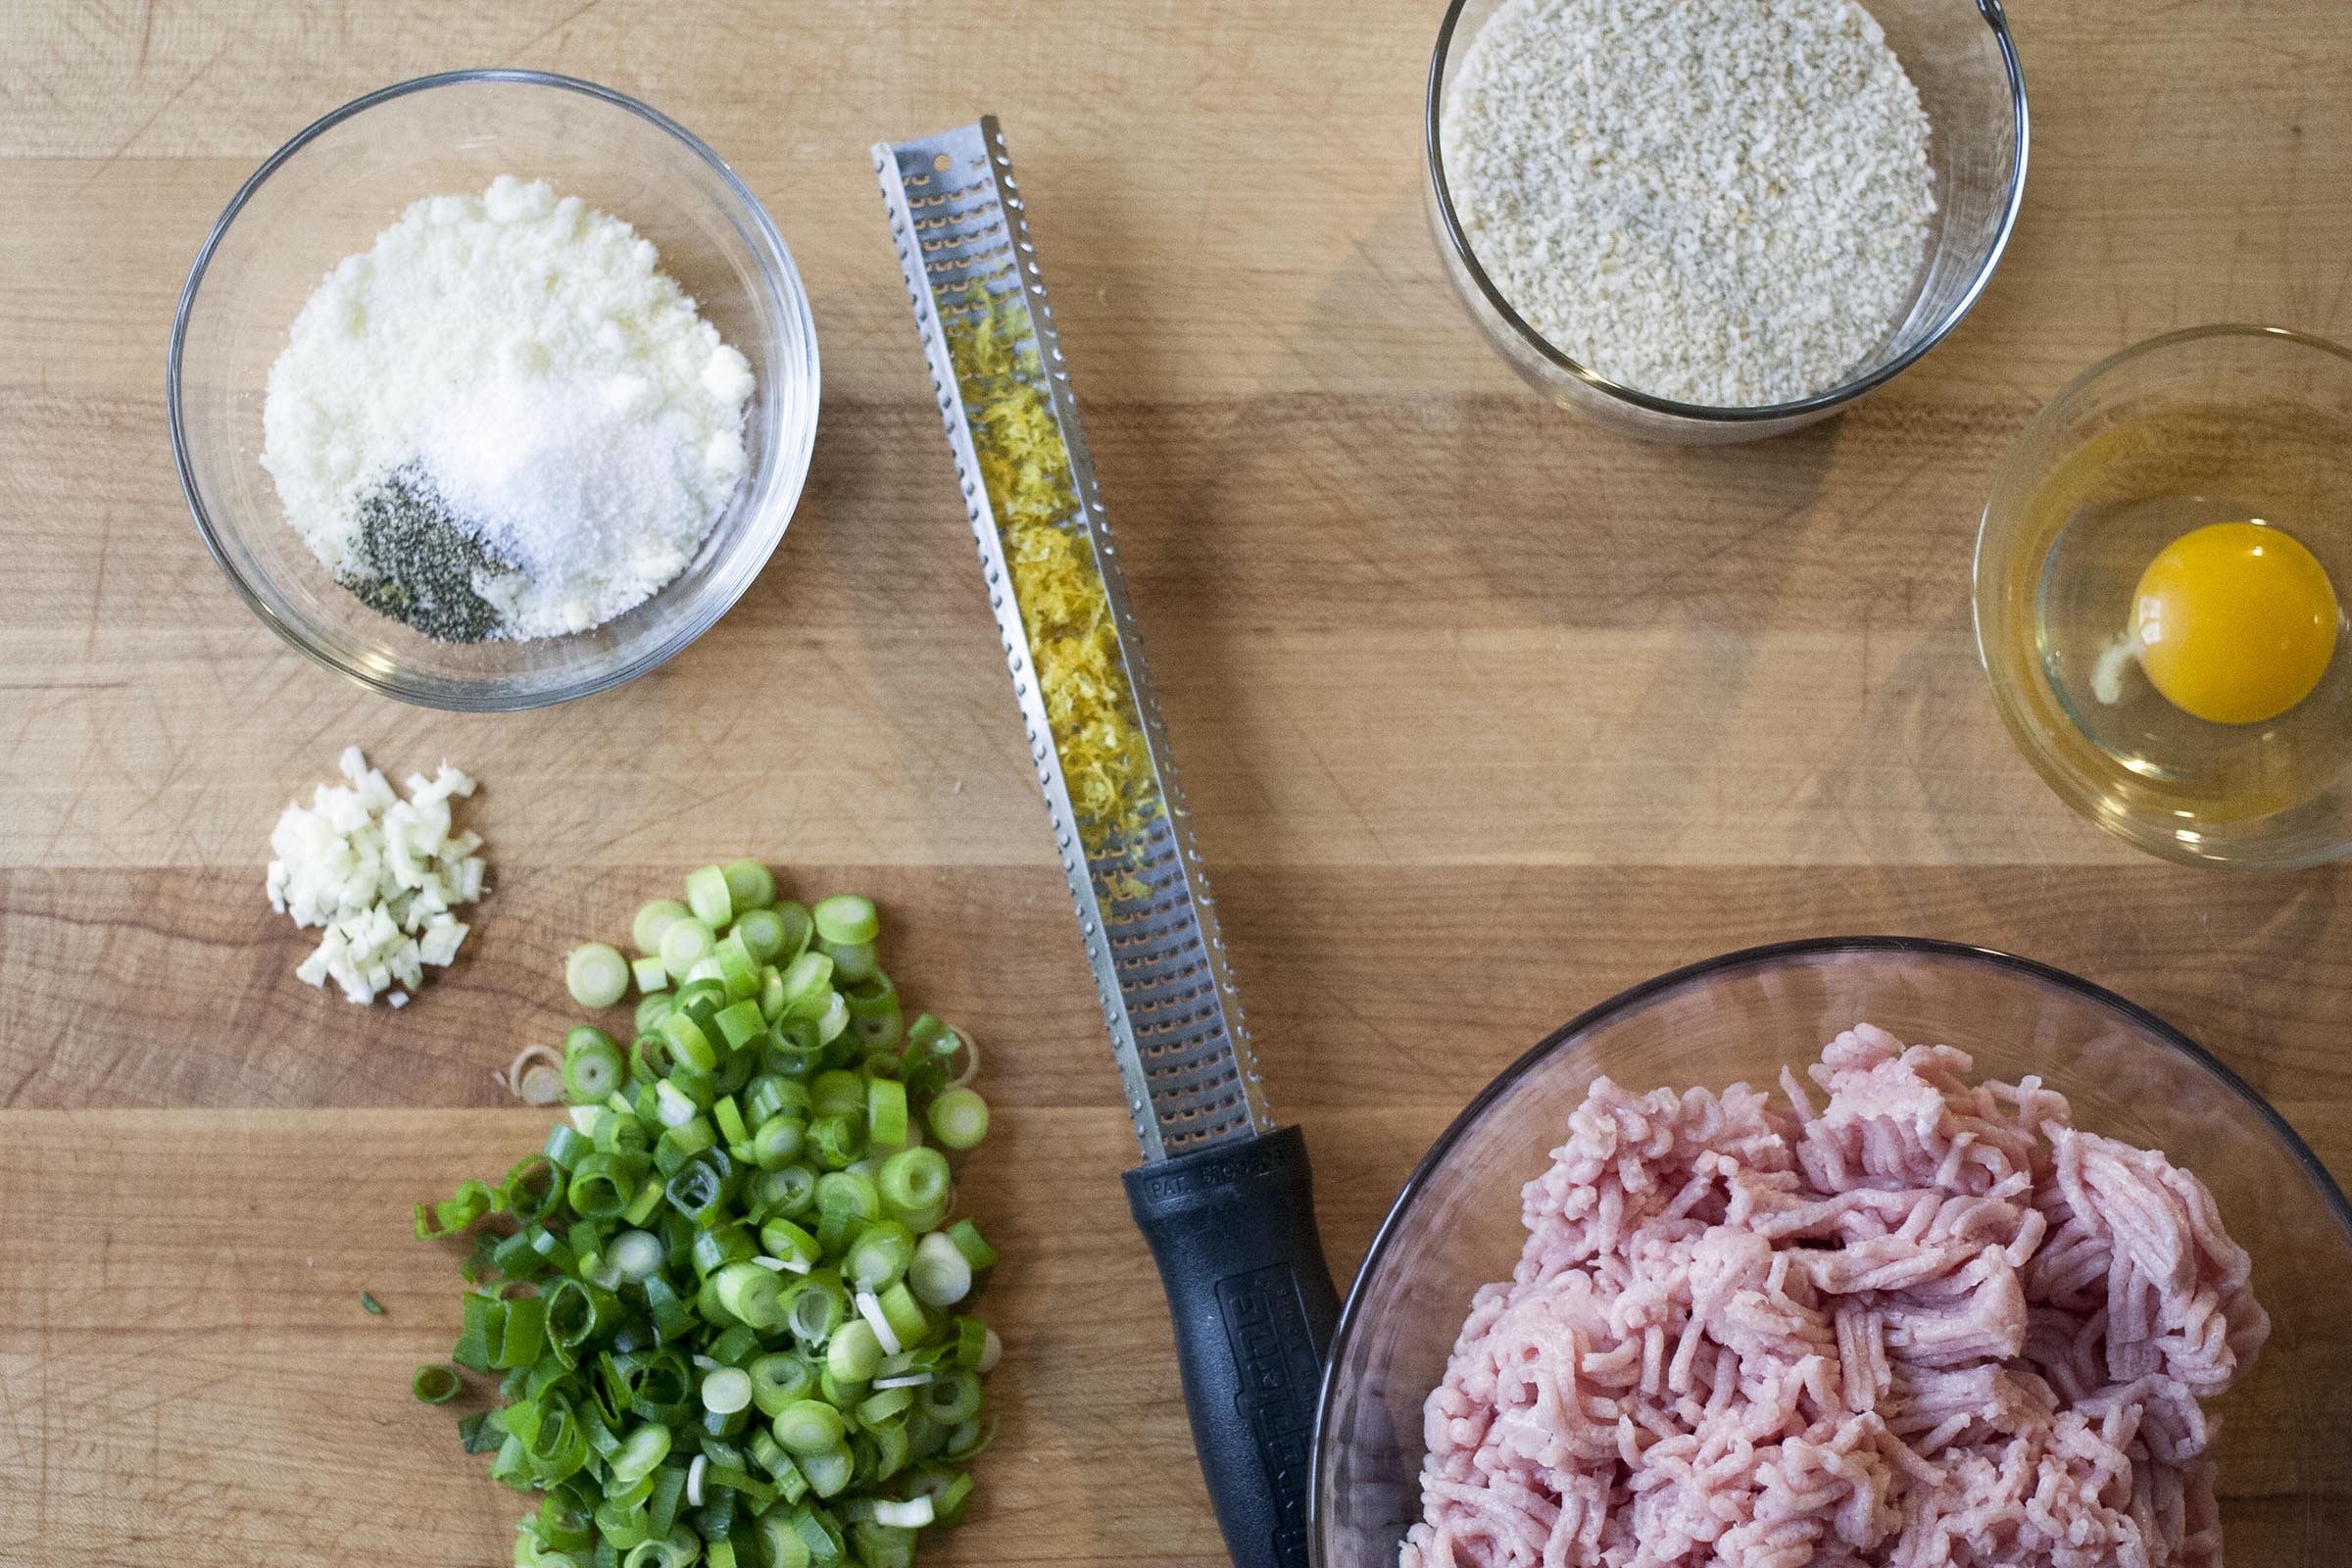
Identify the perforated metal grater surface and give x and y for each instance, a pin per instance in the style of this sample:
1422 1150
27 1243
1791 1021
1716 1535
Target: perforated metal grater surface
1176 1027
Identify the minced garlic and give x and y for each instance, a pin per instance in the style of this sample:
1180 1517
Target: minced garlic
1073 644
382 875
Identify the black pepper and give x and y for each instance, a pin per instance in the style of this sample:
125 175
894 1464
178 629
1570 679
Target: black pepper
425 565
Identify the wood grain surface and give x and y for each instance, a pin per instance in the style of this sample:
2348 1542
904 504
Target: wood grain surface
1484 712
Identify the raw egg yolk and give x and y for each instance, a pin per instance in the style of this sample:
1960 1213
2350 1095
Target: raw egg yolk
2236 622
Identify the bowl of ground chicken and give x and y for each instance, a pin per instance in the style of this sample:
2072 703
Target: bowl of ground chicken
1710 221
493 389
1852 1253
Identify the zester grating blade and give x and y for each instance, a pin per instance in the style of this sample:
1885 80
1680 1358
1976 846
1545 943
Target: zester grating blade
1144 908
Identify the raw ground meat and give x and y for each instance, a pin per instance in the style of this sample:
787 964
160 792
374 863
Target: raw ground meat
1928 1325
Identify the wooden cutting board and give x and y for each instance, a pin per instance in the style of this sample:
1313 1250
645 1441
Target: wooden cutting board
1485 714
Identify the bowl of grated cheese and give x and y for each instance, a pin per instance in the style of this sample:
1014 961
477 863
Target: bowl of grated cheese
1713 221
493 389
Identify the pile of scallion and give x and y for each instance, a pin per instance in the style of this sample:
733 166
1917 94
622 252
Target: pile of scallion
724 1303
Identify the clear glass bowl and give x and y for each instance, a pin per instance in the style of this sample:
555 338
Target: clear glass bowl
2285 1486
1959 53
2195 426
326 195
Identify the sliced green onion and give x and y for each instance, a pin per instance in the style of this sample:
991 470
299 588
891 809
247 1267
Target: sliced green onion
752 1294
686 943
969 1242
672 1236
516 1332
697 1190
564 1145
772 1094
817 1307
436 1383
853 1352
530 1189
946 1490
837 1140
915 1181
655 1004
596 974
677 1549
709 896
885 1405
828 1472
788 1191
780 1379
653 921
874 997
672 1106
882 1546
816 1528
761 933
593 1067
879 1256
579 1313
847 1194
938 1275
799 929
740 1024
750 885
563 1528
912 1514
834 1019
838 1092
601 1184
846 917
778 1142
958 1119
908 1323
808 978
636 1255
869 1307
738 970
452 1215
646 1199
780 1546
688 1042
953 1397
726 1391
853 962
808 1427
646 1447
714 1249
886 1112
672 1317
790 1245
729 1117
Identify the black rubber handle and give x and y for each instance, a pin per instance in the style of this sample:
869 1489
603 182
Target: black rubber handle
1233 1231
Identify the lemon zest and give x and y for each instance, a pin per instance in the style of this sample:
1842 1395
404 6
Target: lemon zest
1073 641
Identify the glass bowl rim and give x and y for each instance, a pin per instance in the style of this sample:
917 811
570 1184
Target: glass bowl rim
1764 956
1702 413
775 261
2009 702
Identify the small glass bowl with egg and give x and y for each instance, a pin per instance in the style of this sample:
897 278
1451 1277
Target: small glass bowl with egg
2160 587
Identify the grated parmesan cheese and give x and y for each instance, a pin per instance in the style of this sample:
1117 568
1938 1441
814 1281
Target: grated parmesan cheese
380 874
1723 201
511 369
